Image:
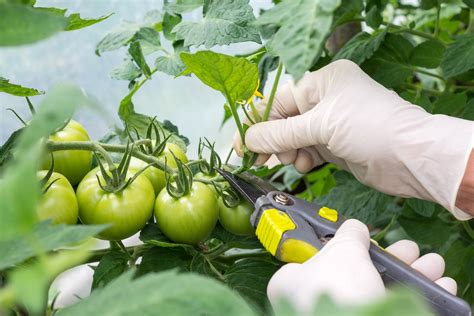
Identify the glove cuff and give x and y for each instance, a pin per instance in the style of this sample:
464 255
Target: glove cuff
443 158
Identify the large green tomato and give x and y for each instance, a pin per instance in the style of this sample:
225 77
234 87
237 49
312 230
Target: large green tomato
155 175
73 164
190 218
127 212
59 203
236 220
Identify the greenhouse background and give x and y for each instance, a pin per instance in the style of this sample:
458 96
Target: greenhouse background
70 57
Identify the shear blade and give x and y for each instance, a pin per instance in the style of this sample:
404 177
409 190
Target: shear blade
250 186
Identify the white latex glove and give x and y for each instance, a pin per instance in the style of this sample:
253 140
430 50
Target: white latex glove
344 271
339 114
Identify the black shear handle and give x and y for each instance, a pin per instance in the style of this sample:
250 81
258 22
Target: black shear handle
394 271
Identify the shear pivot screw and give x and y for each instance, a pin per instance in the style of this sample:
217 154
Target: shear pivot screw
282 199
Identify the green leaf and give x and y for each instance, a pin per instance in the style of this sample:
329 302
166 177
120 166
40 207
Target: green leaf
117 38
361 47
31 281
225 22
19 180
424 208
19 91
110 266
468 111
267 64
290 177
428 4
374 17
201 264
427 54
373 12
421 229
421 99
21 25
320 183
136 52
390 65
170 64
250 278
76 22
182 6
169 22
126 71
149 40
457 58
140 121
450 104
348 11
469 3
6 151
43 237
355 200
159 259
152 235
169 293
234 241
304 26
234 77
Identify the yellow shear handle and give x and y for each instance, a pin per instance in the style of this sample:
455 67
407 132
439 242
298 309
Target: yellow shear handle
270 229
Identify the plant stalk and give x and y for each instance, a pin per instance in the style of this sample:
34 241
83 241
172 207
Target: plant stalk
268 108
96 146
428 73
233 110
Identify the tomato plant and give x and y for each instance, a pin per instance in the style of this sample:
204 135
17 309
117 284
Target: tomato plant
58 202
422 50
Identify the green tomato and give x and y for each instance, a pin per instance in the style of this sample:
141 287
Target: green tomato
206 177
73 164
177 151
155 175
59 203
127 211
236 220
190 218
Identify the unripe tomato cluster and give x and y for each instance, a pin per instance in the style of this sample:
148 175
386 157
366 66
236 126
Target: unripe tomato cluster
188 219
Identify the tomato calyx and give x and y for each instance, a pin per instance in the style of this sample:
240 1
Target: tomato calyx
116 177
155 133
46 178
208 168
179 184
229 196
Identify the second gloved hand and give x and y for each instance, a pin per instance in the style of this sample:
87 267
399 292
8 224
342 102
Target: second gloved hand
343 270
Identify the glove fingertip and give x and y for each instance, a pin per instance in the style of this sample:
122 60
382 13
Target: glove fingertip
353 230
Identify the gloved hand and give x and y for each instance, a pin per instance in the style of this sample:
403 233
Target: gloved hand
344 271
339 114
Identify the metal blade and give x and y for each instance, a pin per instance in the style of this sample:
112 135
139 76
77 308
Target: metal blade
248 190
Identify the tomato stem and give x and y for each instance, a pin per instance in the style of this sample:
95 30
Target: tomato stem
438 13
428 73
94 146
268 108
233 110
124 249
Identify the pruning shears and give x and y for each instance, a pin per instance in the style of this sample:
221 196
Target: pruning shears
294 230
